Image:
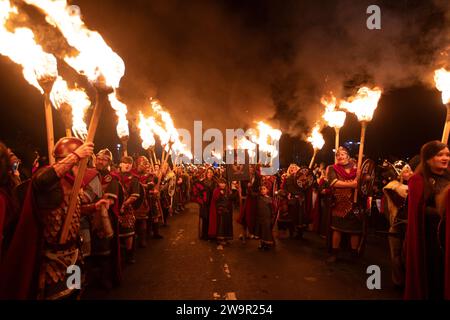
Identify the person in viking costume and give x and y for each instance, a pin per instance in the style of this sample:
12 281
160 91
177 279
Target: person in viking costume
396 194
35 265
127 219
427 234
105 224
342 178
142 206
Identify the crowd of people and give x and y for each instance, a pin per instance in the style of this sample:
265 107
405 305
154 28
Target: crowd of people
120 207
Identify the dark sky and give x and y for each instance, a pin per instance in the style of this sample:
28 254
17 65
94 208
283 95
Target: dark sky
230 62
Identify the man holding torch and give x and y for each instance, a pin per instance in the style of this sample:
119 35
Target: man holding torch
35 266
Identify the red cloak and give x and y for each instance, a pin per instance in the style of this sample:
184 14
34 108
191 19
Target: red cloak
19 270
20 266
2 218
212 229
447 249
416 286
415 280
247 215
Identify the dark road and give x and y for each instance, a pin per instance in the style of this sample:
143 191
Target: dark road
182 267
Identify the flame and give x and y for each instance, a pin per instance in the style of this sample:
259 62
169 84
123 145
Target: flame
442 80
148 139
245 144
267 137
171 132
95 57
121 112
364 103
333 117
216 154
167 133
77 99
316 138
21 48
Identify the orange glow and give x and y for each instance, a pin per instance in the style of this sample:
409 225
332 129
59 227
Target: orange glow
364 103
442 80
316 138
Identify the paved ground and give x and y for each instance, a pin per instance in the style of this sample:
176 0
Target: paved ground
181 266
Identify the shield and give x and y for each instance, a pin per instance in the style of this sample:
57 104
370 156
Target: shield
365 185
172 186
304 178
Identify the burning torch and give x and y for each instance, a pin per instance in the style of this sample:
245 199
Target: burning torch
102 91
363 105
317 141
334 118
66 113
442 80
148 139
46 84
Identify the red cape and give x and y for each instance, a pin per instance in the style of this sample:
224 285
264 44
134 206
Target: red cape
416 273
212 229
19 270
20 266
247 215
2 219
415 280
447 249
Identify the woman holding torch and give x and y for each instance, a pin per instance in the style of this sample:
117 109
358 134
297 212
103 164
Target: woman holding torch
343 182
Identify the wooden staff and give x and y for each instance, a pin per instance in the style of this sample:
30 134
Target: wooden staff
447 126
168 152
313 158
360 155
163 154
149 151
152 150
336 139
47 85
336 142
101 95
125 145
66 113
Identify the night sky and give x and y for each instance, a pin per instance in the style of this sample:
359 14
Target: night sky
230 63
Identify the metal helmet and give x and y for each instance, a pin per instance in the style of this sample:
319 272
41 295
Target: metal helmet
66 146
105 154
